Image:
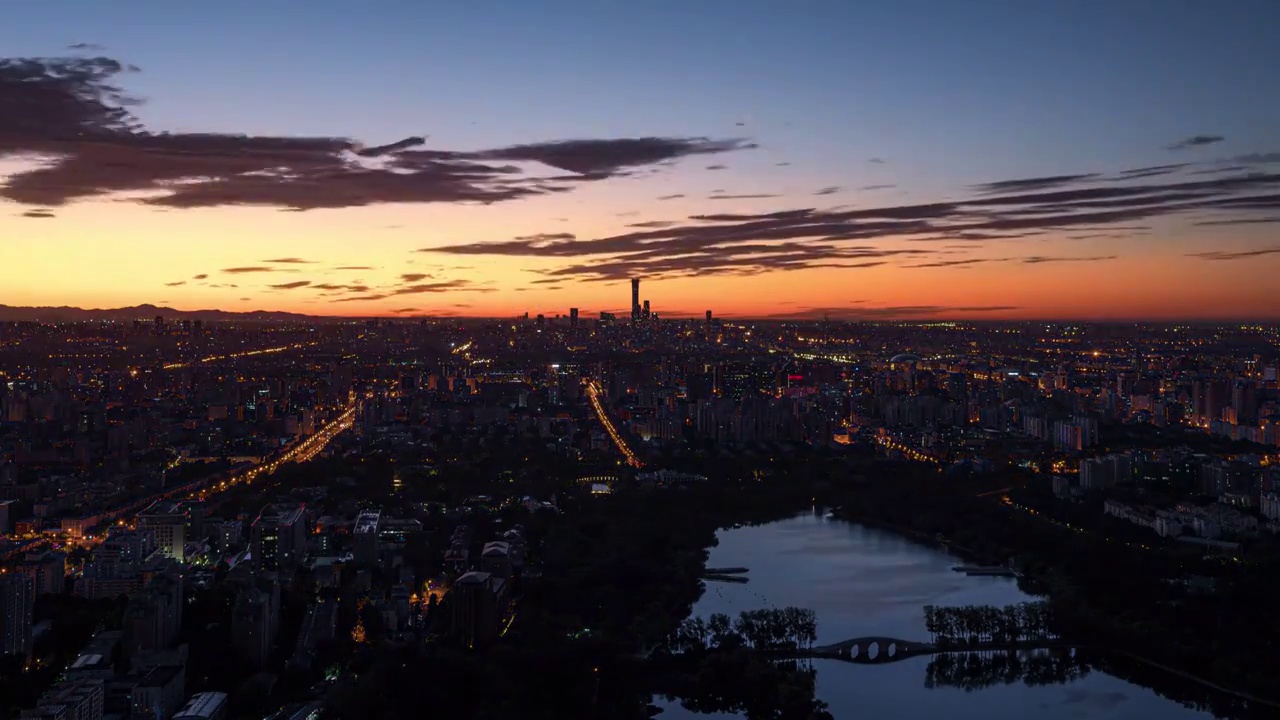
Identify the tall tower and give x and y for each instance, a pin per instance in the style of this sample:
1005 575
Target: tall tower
635 299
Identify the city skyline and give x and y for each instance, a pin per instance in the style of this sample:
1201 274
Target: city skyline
1051 163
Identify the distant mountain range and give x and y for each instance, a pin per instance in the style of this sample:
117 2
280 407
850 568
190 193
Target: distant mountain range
10 313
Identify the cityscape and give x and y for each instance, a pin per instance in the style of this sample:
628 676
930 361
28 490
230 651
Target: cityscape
701 410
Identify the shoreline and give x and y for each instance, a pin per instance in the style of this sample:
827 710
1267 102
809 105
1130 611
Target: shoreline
942 545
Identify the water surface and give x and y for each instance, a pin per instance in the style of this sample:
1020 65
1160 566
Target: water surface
863 581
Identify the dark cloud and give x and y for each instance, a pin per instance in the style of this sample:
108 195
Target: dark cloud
1257 158
201 276
291 285
1220 170
1236 255
954 263
254 269
1146 172
832 190
547 237
434 287
1040 183
748 243
877 187
330 288
38 214
414 277
609 157
175 284
1241 221
1039 259
291 261
893 312
1196 141
404 144
71 114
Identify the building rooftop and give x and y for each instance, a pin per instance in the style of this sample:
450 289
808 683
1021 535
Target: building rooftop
475 577
161 676
201 705
281 514
367 521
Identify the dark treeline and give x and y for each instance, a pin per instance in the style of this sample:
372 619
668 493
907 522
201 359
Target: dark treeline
972 624
971 671
1102 588
767 629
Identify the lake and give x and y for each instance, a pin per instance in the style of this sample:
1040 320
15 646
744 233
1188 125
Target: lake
863 581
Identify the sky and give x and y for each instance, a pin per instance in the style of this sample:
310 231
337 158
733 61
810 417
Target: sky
863 160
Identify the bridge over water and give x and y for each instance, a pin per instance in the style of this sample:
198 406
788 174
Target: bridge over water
877 650
873 650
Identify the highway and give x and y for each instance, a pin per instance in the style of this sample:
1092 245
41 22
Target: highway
301 451
593 395
242 354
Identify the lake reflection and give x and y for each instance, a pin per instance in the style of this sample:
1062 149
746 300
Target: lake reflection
862 581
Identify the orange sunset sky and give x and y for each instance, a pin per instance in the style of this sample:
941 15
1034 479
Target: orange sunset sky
761 169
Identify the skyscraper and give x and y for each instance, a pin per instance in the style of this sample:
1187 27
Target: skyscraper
169 522
635 299
17 600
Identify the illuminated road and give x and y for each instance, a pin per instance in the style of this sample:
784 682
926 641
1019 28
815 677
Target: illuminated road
593 394
303 451
233 356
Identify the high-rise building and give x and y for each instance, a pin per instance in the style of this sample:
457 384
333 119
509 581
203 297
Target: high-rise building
17 601
365 536
635 299
168 521
474 598
79 699
279 537
255 620
47 570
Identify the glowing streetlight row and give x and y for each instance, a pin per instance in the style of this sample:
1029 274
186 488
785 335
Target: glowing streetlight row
593 394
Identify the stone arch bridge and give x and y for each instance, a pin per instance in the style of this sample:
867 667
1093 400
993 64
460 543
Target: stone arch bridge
874 650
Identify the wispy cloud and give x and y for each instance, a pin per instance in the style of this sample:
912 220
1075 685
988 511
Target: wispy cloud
1236 255
1029 208
255 269
76 115
1196 141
